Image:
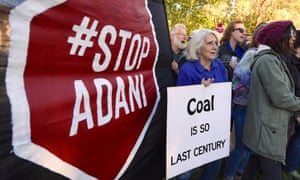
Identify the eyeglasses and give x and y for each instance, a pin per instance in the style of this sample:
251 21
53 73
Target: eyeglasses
240 29
181 34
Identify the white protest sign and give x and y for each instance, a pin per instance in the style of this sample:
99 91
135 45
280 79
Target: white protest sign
198 126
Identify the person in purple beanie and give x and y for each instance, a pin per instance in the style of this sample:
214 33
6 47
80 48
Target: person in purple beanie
271 102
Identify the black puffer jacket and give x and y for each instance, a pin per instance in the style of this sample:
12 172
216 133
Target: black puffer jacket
293 65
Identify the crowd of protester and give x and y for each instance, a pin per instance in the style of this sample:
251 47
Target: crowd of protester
265 76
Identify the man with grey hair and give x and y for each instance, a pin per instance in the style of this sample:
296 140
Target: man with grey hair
178 37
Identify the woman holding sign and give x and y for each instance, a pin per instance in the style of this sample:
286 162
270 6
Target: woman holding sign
202 67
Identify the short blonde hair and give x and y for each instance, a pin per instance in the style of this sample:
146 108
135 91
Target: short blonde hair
196 42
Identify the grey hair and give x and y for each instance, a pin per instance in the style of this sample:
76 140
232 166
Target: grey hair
196 42
176 26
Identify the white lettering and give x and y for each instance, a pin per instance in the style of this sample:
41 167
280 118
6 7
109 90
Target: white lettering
144 52
97 66
81 95
143 90
100 83
128 66
125 35
134 93
139 48
120 98
107 94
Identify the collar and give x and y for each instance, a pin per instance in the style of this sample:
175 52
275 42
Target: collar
239 51
262 47
213 65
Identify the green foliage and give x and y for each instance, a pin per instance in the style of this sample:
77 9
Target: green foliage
207 13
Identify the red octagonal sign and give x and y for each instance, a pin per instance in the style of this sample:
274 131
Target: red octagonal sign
81 83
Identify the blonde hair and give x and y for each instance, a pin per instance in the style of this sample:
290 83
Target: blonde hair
196 42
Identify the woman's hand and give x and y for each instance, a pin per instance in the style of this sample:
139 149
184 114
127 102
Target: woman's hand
207 82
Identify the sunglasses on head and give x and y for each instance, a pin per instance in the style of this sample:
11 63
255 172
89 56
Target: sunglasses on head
240 29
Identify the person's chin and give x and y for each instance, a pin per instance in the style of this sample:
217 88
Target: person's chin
182 46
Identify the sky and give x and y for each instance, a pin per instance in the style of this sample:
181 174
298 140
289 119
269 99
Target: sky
11 3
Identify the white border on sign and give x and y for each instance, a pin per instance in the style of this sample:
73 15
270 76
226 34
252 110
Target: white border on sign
195 139
20 18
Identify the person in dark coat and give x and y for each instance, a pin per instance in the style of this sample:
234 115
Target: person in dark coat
178 39
231 49
293 149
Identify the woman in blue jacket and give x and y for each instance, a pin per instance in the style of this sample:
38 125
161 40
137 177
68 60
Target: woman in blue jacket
202 67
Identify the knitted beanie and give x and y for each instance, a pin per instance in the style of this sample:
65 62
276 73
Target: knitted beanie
271 33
